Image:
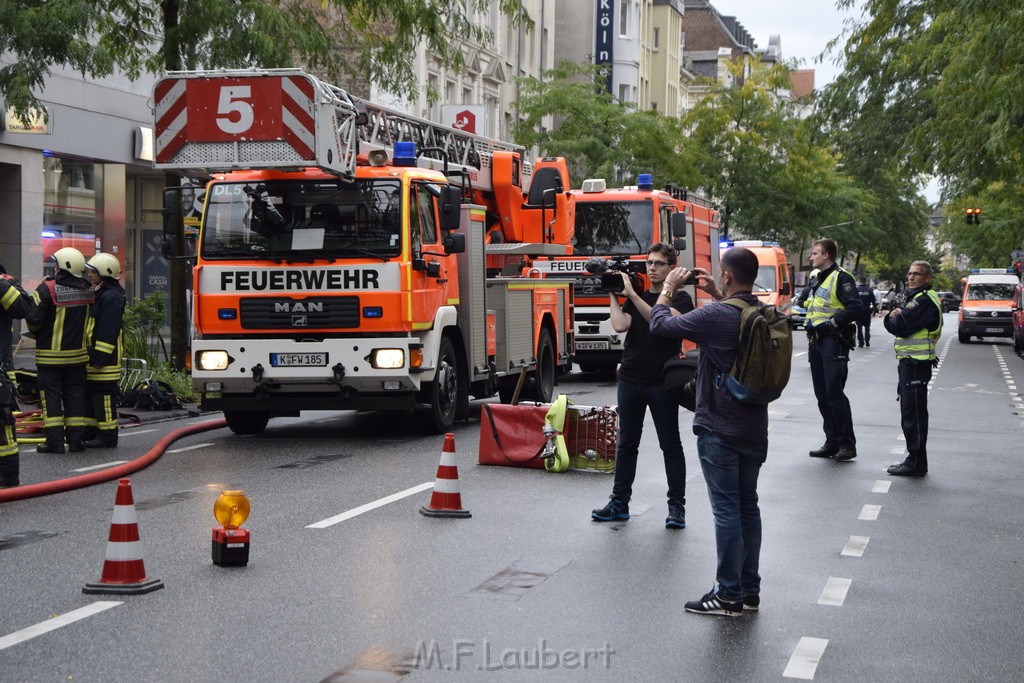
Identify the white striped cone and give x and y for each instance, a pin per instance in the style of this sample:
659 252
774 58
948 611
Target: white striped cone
123 569
446 501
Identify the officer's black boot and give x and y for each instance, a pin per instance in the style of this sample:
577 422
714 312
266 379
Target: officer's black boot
75 444
54 441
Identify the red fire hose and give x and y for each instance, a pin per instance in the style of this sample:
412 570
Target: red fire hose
60 485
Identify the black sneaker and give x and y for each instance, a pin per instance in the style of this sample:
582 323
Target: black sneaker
844 454
614 510
712 604
752 603
676 517
825 451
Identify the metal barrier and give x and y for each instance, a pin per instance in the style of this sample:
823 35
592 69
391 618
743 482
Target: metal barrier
134 371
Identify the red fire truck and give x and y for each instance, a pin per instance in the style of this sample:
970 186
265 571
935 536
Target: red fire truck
616 227
338 267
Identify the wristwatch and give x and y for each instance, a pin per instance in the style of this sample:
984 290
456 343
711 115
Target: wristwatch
667 292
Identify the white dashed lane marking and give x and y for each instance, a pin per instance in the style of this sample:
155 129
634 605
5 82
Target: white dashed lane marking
355 512
100 467
869 513
834 593
189 448
804 661
855 546
881 486
56 623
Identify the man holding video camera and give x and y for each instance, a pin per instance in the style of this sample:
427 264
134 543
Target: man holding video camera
640 388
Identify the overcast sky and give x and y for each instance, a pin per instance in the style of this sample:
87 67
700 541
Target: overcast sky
805 27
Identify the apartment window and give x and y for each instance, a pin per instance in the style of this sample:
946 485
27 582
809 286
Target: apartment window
623 18
623 93
656 39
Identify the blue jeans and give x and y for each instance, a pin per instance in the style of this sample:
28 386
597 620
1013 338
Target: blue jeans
730 470
633 401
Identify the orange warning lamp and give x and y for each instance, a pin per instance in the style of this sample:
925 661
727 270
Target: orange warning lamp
231 542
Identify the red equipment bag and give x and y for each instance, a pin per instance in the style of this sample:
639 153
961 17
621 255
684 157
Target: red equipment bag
512 436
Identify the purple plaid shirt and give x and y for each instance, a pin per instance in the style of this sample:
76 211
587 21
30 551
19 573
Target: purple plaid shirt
715 327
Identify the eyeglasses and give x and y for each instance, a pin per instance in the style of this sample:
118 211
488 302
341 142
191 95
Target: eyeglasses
917 274
659 264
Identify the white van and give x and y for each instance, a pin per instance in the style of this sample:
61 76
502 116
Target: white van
987 306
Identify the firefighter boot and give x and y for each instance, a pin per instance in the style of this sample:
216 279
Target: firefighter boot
54 441
75 439
105 438
9 471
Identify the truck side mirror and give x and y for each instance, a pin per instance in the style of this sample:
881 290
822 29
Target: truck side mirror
173 243
450 208
785 289
679 244
454 243
679 226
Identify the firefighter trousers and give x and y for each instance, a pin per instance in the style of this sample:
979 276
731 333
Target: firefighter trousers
101 412
62 396
9 468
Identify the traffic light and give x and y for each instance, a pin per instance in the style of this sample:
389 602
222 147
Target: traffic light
972 215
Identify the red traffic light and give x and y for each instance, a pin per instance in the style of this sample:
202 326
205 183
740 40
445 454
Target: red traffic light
972 215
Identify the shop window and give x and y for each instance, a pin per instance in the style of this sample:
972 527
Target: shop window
72 206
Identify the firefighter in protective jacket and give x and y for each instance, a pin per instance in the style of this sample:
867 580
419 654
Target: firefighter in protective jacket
103 341
58 321
14 303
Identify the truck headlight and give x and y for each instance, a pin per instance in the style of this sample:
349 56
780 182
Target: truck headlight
212 360
387 359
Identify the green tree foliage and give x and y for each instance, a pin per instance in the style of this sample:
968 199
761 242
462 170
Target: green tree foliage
599 136
359 38
999 232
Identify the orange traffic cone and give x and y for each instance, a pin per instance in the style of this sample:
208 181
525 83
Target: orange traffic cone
123 570
446 501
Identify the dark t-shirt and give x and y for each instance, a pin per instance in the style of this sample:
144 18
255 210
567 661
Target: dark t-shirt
644 354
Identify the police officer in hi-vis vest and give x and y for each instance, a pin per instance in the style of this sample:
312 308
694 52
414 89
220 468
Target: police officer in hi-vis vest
103 342
917 325
833 309
58 321
14 303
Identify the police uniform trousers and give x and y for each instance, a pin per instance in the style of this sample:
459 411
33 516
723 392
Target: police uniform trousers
62 394
101 412
913 393
830 363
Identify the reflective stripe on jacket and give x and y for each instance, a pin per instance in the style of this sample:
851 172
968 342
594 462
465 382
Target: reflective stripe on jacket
824 302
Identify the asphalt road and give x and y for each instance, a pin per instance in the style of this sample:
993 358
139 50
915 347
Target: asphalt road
865 577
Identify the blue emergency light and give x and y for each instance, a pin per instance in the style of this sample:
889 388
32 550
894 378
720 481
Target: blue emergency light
405 153
645 181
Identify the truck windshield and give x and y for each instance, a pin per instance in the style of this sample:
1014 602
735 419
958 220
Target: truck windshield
277 219
990 292
765 281
613 227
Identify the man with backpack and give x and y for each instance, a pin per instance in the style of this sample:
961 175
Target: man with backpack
732 434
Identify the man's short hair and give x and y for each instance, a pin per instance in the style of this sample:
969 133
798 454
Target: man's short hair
863 280
924 265
829 245
666 250
742 264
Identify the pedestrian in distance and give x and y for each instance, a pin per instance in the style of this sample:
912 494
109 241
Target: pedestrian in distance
833 309
103 373
732 436
58 320
917 326
867 298
15 304
640 389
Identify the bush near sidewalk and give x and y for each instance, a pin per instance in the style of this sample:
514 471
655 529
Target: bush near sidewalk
141 338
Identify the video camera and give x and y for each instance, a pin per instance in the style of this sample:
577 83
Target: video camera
609 270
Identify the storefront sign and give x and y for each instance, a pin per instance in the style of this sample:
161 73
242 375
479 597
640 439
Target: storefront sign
604 37
38 124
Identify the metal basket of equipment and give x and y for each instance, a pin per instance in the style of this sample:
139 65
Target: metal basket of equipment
133 371
591 437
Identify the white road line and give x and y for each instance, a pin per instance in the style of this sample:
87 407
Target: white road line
896 450
881 486
834 593
189 448
801 353
354 512
869 513
855 546
133 432
100 467
55 623
806 656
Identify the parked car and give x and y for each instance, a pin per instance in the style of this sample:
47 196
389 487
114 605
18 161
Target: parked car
889 300
797 316
949 301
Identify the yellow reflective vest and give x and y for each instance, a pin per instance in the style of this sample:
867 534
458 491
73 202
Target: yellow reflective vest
825 303
921 344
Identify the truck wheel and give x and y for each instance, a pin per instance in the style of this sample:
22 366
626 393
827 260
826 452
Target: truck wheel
442 393
964 337
246 422
541 382
1018 345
